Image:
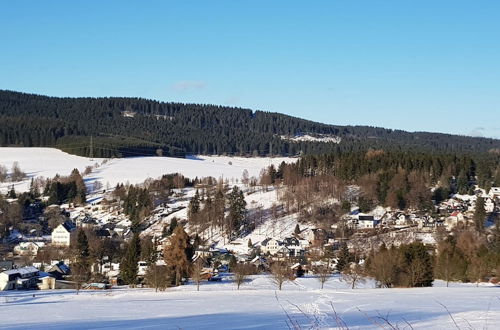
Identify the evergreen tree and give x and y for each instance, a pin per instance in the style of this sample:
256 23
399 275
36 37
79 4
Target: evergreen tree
237 212
344 257
297 229
12 193
173 225
80 265
417 265
194 206
129 265
82 244
479 214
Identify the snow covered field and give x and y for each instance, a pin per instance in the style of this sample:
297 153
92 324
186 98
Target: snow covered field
255 306
48 162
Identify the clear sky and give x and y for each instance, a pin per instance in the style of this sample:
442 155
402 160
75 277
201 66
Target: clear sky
416 65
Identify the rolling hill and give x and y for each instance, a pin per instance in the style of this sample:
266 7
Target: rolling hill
122 127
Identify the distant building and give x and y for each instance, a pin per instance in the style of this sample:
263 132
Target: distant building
270 245
62 235
494 192
367 222
28 248
21 278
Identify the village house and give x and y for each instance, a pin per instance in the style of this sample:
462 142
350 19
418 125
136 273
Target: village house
454 218
28 248
401 220
20 278
270 245
317 237
63 234
494 193
367 222
59 270
489 205
294 246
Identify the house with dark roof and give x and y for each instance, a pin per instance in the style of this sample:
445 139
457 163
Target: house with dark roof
367 222
63 234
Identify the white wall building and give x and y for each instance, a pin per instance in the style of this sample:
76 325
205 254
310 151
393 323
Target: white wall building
270 245
62 235
21 278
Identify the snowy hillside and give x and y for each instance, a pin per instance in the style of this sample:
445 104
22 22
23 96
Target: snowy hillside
255 306
47 162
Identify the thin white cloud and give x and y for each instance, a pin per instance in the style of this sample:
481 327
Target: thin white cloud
186 85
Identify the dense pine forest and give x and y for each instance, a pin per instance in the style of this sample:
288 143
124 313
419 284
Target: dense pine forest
122 127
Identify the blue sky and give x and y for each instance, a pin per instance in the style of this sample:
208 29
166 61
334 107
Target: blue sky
415 65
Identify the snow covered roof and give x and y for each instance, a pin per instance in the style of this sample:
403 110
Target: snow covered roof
22 271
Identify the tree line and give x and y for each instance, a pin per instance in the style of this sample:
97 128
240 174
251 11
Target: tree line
123 127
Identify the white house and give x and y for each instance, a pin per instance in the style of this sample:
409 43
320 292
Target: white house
494 192
21 278
367 222
489 205
401 220
454 218
294 247
142 267
62 235
270 245
28 248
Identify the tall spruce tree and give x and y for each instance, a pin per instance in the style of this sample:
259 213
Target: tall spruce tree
129 266
194 206
479 214
237 212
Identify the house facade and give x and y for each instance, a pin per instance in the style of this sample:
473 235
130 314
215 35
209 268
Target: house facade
270 245
62 235
21 278
367 222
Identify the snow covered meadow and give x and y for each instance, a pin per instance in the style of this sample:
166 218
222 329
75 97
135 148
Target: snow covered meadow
257 305
47 162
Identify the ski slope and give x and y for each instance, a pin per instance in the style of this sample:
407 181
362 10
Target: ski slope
47 162
255 306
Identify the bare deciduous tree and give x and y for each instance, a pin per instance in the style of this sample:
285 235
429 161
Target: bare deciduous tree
3 173
241 272
16 173
353 274
280 273
196 272
158 277
323 275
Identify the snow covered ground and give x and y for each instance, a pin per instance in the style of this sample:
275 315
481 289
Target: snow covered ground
47 162
256 306
309 138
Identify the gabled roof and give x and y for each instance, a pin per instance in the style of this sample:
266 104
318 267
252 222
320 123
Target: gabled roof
69 226
291 241
264 242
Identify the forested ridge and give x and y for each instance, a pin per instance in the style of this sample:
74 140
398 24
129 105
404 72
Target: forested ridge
123 127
